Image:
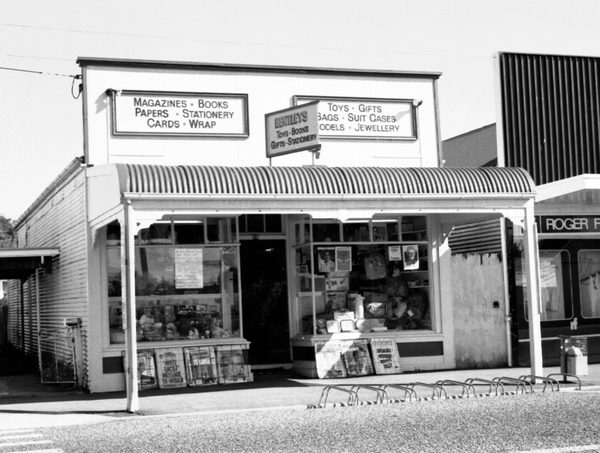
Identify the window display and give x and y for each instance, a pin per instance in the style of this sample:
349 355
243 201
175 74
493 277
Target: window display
375 279
182 292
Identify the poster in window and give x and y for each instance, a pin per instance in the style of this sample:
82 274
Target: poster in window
343 259
379 232
395 253
375 267
189 268
326 256
201 365
386 359
170 368
411 257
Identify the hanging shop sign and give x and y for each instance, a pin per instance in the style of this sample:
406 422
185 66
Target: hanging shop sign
292 130
568 224
179 114
364 118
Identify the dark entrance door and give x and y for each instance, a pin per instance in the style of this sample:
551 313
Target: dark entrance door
264 300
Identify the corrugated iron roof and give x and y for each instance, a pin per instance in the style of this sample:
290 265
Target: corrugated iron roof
217 180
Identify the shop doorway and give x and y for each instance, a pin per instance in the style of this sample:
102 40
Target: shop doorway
264 301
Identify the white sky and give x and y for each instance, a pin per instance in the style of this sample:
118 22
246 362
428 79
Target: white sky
41 123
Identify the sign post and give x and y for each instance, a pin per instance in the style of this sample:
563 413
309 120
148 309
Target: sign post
293 130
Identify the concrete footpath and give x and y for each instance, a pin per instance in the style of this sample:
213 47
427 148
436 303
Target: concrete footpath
26 403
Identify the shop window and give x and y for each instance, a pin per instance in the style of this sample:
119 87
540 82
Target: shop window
113 234
554 285
326 232
157 233
189 233
589 282
182 292
261 223
373 282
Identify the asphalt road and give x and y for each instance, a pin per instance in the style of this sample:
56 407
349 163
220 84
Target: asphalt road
558 422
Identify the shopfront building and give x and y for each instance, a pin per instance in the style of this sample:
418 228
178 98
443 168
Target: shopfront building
549 124
193 241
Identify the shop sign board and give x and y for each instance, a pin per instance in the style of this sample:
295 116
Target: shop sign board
364 118
160 113
292 130
570 224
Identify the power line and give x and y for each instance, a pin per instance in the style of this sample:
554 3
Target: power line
37 72
331 49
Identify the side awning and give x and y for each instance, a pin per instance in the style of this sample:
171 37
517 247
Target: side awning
20 264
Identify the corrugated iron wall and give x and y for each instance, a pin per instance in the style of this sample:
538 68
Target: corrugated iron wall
551 114
58 222
480 237
322 180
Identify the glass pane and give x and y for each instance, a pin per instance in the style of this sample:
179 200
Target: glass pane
589 282
113 234
256 223
553 269
181 293
157 233
356 232
371 284
326 232
189 233
555 284
273 223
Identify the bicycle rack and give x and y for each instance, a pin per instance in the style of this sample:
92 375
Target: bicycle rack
466 387
381 393
494 384
565 375
407 391
545 380
352 397
515 381
437 390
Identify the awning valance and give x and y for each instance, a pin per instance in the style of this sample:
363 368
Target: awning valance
315 180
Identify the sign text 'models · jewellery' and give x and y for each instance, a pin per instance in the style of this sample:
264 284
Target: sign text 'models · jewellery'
292 130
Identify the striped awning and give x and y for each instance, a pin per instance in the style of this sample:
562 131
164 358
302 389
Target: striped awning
314 180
